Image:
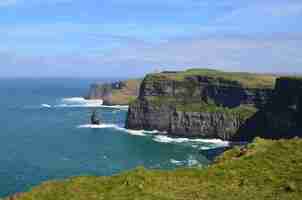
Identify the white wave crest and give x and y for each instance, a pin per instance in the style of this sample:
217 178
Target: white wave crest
120 107
167 139
78 102
114 126
45 106
97 126
202 144
191 161
176 162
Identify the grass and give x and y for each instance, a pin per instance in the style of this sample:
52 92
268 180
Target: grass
291 78
127 94
266 170
247 80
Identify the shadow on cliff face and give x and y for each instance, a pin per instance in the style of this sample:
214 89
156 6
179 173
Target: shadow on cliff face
280 118
270 125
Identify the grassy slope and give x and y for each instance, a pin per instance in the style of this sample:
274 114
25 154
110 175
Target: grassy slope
126 95
268 170
248 80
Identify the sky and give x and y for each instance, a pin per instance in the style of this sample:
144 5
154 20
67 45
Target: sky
97 38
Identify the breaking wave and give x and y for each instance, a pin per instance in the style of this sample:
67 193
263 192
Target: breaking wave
98 126
207 143
45 106
191 161
114 126
80 102
202 144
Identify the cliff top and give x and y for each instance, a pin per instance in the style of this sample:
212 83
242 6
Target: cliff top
265 170
248 80
117 93
126 94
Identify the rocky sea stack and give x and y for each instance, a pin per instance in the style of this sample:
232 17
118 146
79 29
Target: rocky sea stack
214 104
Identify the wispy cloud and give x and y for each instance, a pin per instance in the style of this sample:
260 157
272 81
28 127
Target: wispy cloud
263 10
134 36
4 3
7 3
278 53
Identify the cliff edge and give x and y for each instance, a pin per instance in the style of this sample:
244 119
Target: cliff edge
199 102
281 117
117 93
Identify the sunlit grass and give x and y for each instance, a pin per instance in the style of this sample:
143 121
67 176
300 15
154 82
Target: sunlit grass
247 80
266 170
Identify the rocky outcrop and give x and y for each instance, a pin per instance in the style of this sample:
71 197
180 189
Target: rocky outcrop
100 91
195 106
116 93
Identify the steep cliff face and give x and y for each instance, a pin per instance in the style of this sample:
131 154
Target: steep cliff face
281 117
222 92
100 91
195 105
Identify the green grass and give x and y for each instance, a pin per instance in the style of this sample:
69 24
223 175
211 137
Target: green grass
289 78
267 170
247 80
127 94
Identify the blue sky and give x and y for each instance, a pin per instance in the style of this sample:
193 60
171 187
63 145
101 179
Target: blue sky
80 38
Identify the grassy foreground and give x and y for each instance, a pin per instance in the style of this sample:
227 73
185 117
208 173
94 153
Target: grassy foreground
265 170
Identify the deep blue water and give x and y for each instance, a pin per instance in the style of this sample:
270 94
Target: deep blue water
39 143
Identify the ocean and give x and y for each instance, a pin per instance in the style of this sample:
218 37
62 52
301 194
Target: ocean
45 135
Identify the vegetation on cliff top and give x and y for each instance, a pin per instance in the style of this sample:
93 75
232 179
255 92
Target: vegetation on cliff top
247 80
127 94
265 170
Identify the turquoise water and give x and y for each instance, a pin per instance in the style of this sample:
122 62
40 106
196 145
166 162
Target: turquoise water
44 137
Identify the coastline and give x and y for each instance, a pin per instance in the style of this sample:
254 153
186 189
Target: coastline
232 171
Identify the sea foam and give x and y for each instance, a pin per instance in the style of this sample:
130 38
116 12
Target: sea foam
116 127
167 139
78 102
45 106
202 144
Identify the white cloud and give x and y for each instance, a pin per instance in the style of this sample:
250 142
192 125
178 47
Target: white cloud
5 3
8 3
236 53
265 10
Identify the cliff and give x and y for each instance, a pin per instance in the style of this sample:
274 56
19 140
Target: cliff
281 117
264 170
117 93
199 103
